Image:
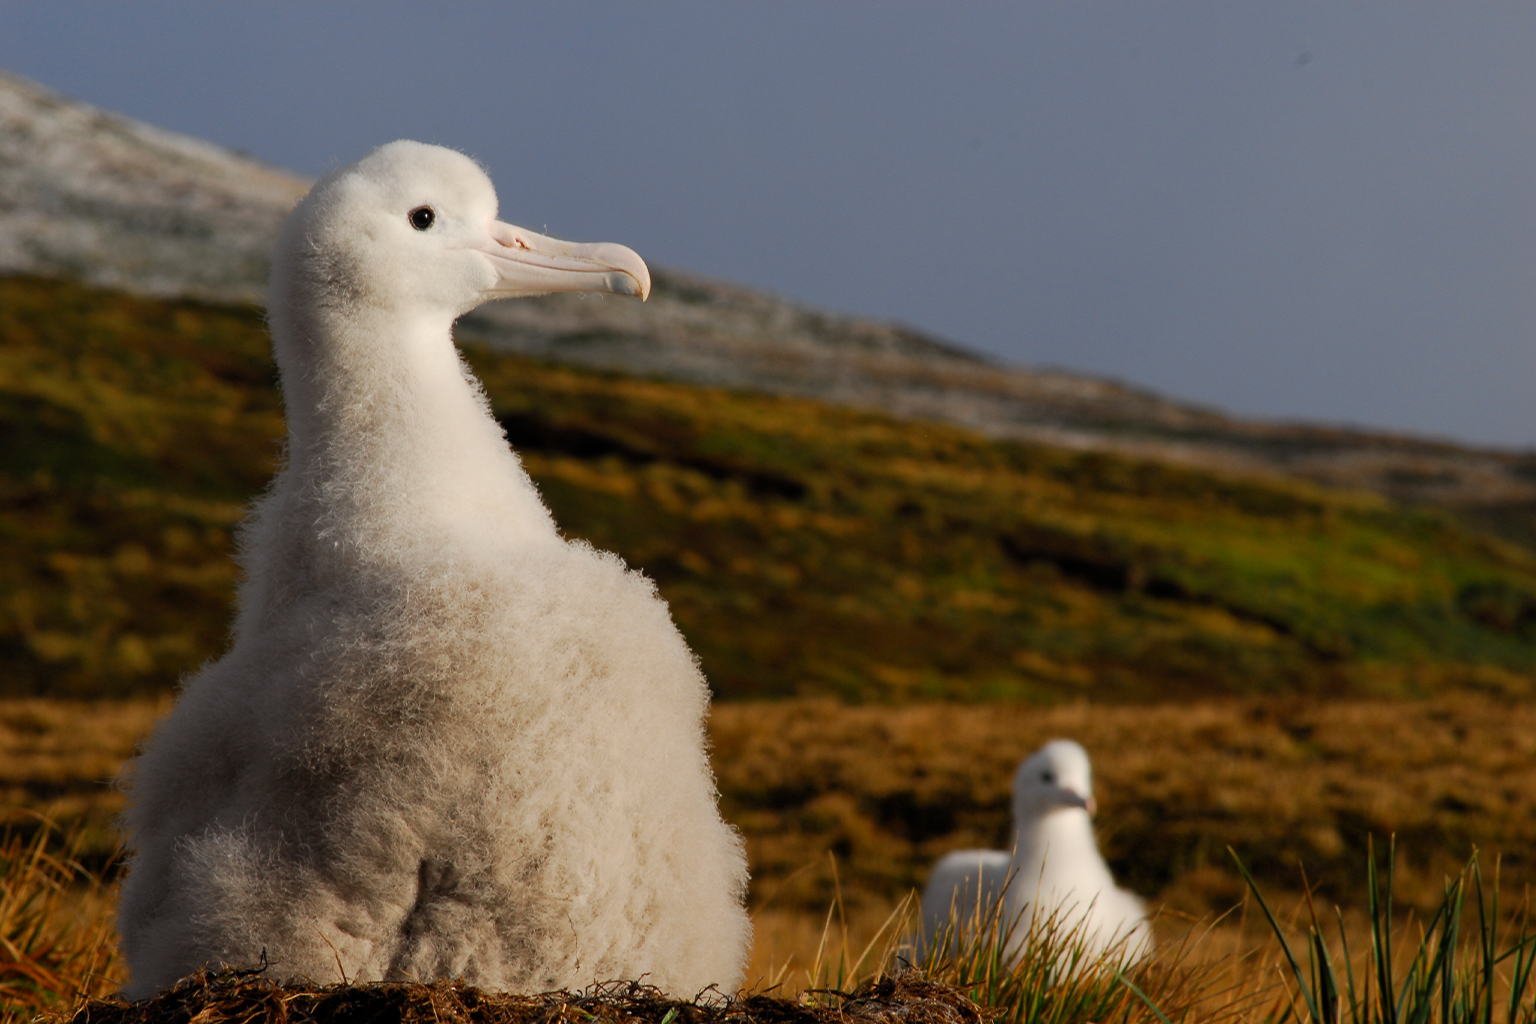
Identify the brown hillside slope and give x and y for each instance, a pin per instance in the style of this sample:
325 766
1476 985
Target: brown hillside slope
90 195
804 548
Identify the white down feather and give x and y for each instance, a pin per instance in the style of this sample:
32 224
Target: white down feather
444 743
1053 872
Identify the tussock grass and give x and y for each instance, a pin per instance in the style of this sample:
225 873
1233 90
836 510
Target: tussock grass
1047 976
1462 964
57 942
1464 961
1038 971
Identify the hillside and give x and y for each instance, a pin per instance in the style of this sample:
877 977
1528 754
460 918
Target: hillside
85 193
806 549
90 195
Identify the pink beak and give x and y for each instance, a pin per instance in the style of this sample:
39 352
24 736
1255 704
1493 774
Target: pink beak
528 263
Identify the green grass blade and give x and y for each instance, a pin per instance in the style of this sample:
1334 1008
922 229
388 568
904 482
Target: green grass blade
1358 1014
1139 994
1487 934
1301 979
1381 931
1326 982
1415 1004
1524 952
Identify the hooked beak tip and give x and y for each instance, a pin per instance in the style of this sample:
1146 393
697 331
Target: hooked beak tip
529 263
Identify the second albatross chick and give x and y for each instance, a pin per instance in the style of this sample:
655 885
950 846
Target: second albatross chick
1053 873
444 743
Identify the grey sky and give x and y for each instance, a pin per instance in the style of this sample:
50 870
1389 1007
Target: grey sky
1318 211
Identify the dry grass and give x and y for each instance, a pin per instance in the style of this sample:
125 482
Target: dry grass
59 957
888 790
846 807
1283 782
57 762
57 943
1228 973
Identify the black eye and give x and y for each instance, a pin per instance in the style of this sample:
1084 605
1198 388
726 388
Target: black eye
1047 777
421 218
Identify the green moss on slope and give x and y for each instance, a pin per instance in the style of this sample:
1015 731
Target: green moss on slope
803 548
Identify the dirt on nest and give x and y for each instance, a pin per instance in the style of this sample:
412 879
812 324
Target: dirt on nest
244 998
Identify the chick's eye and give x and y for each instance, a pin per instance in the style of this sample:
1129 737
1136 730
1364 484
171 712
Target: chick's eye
421 218
1047 777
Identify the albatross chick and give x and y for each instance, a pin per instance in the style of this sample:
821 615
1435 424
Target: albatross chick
444 743
1054 872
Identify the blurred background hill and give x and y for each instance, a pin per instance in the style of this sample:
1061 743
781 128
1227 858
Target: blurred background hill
93 196
832 506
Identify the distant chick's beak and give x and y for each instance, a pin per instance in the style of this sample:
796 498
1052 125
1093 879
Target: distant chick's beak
1072 798
528 263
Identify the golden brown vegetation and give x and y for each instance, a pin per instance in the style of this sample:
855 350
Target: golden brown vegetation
57 763
890 789
813 551
886 790
56 950
844 808
57 942
804 549
57 955
132 432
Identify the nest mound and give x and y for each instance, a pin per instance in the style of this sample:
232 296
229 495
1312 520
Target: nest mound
242 998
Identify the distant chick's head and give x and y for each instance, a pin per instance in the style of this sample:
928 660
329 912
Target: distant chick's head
413 228
1055 778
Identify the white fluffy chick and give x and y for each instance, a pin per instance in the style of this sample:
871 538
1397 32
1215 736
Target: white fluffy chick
1054 870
